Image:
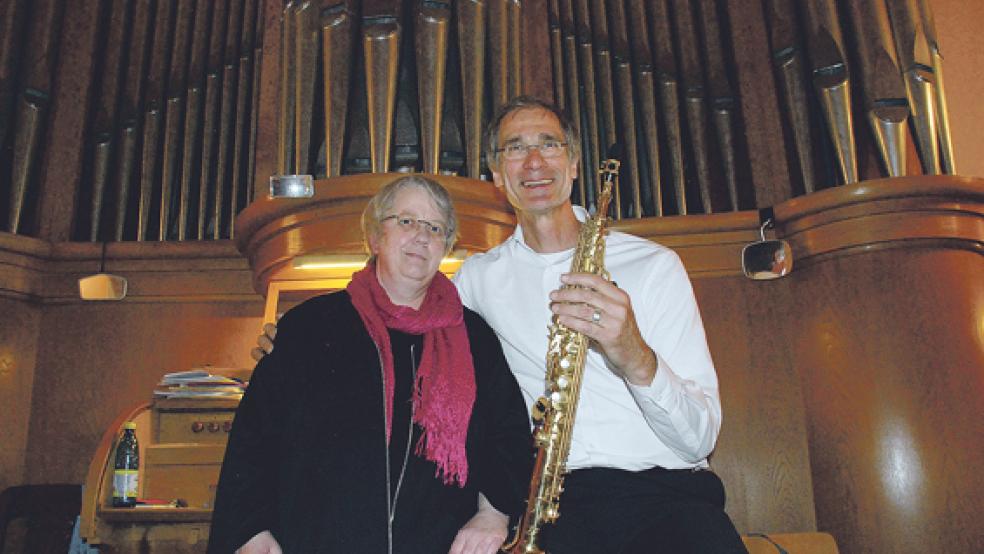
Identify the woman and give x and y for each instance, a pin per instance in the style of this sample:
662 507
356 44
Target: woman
383 413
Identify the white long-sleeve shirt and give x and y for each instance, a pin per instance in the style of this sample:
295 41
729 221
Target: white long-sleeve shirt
673 422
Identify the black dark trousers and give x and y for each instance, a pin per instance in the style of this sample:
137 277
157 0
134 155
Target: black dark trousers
608 511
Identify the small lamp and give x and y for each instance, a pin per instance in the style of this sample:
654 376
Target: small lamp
102 285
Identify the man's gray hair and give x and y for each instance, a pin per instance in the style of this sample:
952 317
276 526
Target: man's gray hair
571 136
381 205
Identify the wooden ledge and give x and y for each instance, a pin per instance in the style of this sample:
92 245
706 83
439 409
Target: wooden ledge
941 210
41 271
272 232
357 190
155 515
954 187
837 221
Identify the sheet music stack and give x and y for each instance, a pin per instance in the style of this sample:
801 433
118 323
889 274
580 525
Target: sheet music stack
198 383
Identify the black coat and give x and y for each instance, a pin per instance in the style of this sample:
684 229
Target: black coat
307 453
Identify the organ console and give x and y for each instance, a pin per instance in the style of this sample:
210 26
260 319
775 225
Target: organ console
182 442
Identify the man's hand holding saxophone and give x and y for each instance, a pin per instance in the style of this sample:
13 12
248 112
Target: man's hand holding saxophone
603 312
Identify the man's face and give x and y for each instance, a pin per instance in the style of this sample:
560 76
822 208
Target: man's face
534 184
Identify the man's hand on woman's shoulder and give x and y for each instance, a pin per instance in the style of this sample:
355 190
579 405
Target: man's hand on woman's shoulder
264 342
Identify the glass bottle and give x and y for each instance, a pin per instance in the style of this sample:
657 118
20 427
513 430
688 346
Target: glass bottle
126 468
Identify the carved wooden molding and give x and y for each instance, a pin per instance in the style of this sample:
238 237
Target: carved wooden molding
884 213
946 211
38 270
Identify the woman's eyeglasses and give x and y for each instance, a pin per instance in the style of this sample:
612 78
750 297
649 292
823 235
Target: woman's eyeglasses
411 223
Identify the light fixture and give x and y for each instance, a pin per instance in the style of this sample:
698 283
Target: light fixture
291 186
102 285
353 262
330 261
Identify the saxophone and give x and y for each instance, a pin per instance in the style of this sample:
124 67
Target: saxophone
553 413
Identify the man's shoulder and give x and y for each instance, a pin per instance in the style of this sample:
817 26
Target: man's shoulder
620 243
491 255
481 262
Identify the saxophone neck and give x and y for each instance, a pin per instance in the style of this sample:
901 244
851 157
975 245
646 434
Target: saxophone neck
608 179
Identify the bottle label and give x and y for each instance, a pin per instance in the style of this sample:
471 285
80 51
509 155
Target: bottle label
125 483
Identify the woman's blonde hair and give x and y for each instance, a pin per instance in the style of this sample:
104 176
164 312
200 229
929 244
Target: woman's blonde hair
381 205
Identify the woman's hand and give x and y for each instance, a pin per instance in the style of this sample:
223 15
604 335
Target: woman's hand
261 543
484 533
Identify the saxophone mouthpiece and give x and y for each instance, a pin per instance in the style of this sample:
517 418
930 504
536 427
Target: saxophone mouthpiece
609 166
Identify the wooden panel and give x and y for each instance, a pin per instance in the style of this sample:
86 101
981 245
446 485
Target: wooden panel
22 261
178 538
872 345
177 420
186 471
109 355
963 46
762 453
888 345
886 308
709 245
18 351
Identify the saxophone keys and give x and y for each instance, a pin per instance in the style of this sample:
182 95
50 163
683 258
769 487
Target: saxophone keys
539 409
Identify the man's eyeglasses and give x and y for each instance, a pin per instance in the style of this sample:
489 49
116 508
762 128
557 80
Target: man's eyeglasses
518 150
411 223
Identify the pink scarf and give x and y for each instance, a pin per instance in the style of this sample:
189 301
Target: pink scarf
444 390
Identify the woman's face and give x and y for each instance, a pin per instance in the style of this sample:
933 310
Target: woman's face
409 248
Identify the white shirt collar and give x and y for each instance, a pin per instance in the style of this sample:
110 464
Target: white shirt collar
580 213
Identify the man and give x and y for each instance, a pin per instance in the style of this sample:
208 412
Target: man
649 411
